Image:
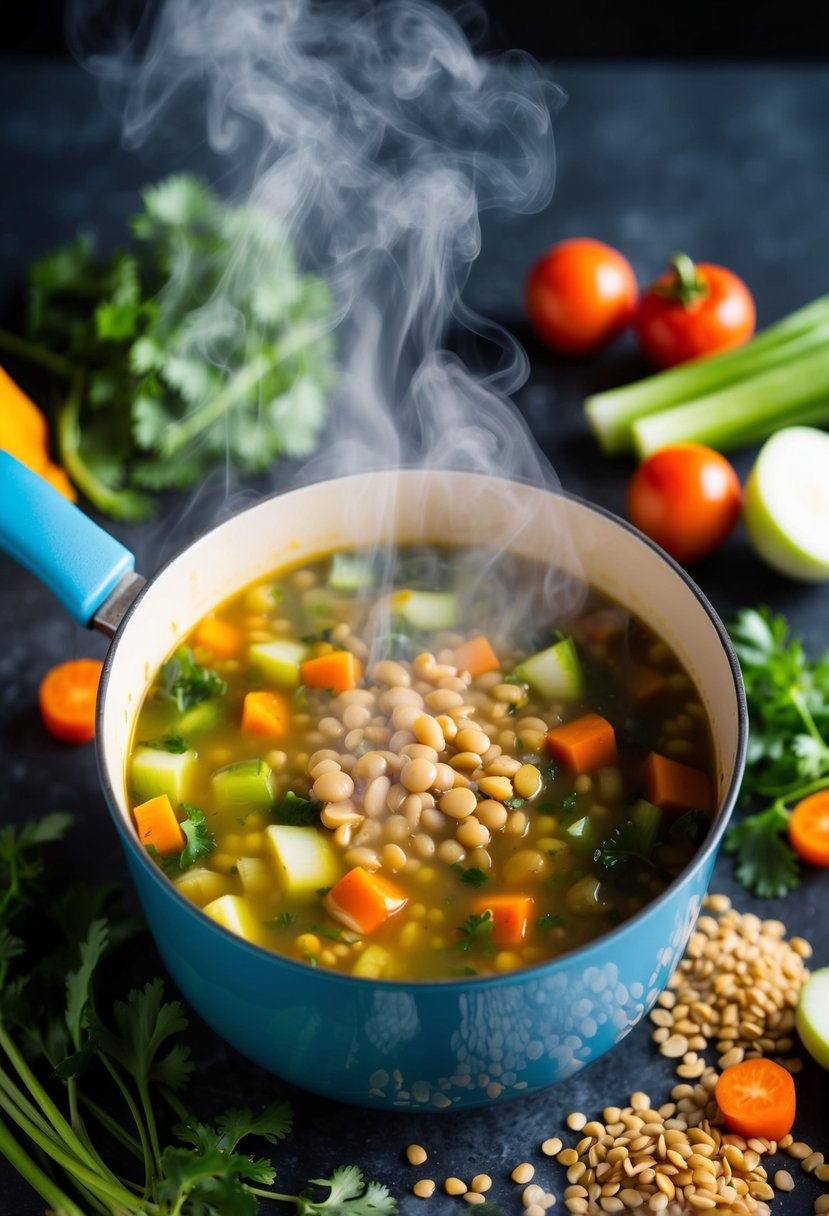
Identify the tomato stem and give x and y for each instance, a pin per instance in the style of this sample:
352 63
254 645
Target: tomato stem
686 285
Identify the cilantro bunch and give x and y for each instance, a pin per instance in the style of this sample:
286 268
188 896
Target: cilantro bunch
72 1146
200 342
788 747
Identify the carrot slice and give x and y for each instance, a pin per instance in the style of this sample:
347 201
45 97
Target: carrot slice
338 671
157 825
676 787
265 713
224 639
67 697
757 1098
363 900
510 914
583 744
809 829
646 684
477 657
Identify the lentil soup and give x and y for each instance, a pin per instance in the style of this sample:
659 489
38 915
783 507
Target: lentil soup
407 777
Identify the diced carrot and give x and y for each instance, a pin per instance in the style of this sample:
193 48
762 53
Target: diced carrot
510 914
265 713
363 900
583 744
338 671
157 825
646 684
224 639
676 787
67 697
477 657
757 1098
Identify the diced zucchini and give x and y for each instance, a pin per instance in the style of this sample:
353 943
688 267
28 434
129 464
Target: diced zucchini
554 672
278 661
246 783
256 875
580 834
351 572
305 859
427 610
233 913
201 886
647 819
157 772
201 717
373 963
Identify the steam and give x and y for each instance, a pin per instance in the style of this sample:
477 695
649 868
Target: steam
376 136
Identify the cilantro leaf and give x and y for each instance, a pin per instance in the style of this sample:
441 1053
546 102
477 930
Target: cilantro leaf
349 1195
476 931
296 811
200 840
766 862
624 845
470 875
186 683
144 1023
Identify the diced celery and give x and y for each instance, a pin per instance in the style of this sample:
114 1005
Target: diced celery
246 783
351 572
255 874
201 885
647 818
157 772
233 913
201 717
373 963
278 661
426 610
305 859
554 672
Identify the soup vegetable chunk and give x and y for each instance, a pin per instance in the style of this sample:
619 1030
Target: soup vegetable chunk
407 769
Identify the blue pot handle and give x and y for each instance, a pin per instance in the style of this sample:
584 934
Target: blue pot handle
78 561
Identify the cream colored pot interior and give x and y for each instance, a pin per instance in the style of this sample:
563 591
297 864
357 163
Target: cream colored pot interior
413 505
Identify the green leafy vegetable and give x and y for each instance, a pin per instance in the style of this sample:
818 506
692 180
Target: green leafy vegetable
470 875
547 922
625 844
295 811
204 340
788 754
167 743
476 930
186 683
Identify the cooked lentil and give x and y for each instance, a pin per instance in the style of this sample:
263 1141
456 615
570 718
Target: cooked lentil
416 1154
424 1188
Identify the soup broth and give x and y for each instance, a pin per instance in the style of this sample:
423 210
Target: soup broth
414 770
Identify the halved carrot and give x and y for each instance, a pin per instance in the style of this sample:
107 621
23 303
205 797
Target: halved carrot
67 697
265 713
757 1098
477 657
157 825
363 900
583 744
646 684
338 671
510 914
676 787
224 639
809 829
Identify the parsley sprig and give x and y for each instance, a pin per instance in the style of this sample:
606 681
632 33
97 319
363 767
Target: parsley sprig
788 753
187 684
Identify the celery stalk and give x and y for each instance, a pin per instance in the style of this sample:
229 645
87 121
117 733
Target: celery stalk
794 393
611 414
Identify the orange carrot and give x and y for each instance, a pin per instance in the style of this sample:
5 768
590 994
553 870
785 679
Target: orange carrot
583 744
809 829
224 639
338 671
157 825
676 787
363 900
25 435
510 914
647 684
757 1098
67 697
477 657
265 713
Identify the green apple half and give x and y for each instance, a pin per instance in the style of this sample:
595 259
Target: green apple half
786 503
813 1016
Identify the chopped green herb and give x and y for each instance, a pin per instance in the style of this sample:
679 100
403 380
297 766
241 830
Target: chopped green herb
470 875
283 920
200 843
693 826
336 935
548 921
186 683
625 844
295 811
477 931
167 743
515 802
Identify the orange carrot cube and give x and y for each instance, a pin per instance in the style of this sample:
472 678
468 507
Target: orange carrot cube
157 825
363 900
477 657
224 639
583 744
338 671
510 914
676 787
265 713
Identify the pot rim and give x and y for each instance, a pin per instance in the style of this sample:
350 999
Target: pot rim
708 848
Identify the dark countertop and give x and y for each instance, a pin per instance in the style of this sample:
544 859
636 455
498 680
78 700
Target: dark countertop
729 163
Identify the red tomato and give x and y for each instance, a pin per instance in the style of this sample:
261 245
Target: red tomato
692 311
687 498
579 295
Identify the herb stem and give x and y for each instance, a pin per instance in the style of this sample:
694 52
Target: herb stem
797 699
59 1202
113 1127
136 1115
33 352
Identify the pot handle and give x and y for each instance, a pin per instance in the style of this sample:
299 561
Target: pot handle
78 561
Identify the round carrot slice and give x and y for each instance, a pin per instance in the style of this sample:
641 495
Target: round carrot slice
809 829
67 697
756 1098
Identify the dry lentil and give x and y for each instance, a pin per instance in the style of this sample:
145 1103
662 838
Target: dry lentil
551 1146
480 1183
424 1188
454 1186
523 1173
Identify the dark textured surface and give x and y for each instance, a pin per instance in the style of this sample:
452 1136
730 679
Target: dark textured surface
730 164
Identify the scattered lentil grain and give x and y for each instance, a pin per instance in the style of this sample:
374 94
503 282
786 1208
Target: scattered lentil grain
424 1188
523 1173
416 1154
